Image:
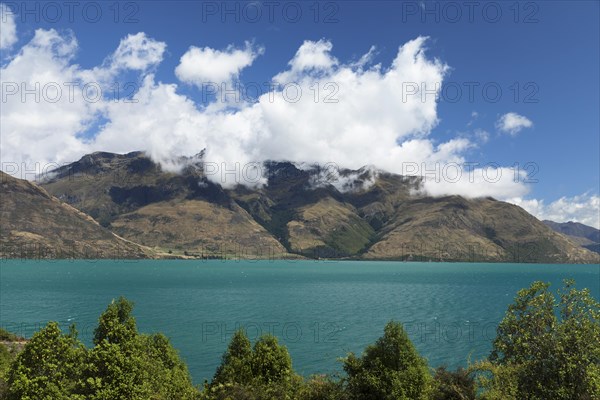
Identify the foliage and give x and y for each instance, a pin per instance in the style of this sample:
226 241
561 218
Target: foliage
389 369
48 368
260 372
323 387
8 336
123 364
453 385
116 324
549 349
5 360
546 348
271 363
236 364
496 382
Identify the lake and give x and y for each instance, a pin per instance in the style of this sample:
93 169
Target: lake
319 309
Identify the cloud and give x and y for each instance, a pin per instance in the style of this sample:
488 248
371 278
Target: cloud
313 58
473 181
137 52
343 180
474 116
512 123
482 135
584 208
370 122
199 66
8 37
360 115
35 128
52 124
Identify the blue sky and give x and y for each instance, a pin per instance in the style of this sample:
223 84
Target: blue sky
546 52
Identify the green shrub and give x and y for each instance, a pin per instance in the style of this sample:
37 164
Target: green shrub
453 385
390 369
122 365
549 349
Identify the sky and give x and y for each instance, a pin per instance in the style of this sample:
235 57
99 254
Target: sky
482 98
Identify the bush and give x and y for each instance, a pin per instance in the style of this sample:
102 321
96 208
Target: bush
548 349
453 385
122 365
5 360
322 387
545 349
390 369
262 372
7 336
49 367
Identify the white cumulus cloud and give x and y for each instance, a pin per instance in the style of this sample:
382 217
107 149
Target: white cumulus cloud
46 113
199 66
313 57
138 52
8 28
360 115
474 181
42 126
512 123
584 208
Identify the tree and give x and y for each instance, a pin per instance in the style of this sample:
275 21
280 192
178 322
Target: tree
390 369
545 356
5 360
271 362
236 362
127 365
322 387
116 324
260 372
48 368
123 364
453 385
168 374
578 343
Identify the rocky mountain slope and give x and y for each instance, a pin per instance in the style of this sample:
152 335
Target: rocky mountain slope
306 211
586 236
34 224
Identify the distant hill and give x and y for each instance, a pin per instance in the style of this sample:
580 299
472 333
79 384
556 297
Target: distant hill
362 214
585 236
35 224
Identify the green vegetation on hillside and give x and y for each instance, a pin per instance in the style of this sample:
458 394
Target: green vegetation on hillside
546 348
6 336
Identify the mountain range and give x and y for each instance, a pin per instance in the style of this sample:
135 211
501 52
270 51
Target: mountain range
585 236
129 205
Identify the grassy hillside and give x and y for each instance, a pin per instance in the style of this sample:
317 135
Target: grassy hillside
305 211
35 224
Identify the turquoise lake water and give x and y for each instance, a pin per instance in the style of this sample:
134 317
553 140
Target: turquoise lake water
320 310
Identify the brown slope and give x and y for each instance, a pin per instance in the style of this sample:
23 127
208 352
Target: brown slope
105 185
177 212
453 228
34 224
198 228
